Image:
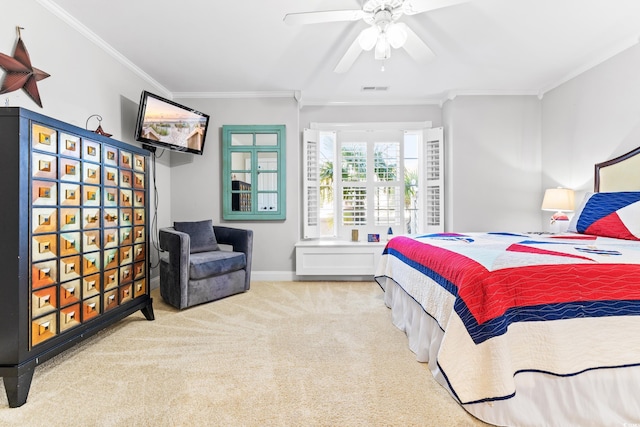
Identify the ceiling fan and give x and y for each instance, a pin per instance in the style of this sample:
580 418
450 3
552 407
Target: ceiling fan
383 33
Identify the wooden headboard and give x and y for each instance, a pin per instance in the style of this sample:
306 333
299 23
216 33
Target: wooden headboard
619 174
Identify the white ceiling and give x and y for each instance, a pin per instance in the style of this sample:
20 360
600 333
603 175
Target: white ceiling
210 47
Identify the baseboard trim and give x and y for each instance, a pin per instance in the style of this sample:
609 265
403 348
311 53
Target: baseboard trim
155 282
290 276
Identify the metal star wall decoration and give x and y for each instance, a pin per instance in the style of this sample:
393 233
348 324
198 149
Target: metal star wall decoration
20 73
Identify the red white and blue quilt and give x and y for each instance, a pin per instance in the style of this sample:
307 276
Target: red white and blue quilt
509 303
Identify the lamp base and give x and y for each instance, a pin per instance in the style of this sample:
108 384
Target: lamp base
559 216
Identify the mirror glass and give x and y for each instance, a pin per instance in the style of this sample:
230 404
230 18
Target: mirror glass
267 139
241 166
241 139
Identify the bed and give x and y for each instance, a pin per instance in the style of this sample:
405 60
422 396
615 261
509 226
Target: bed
531 329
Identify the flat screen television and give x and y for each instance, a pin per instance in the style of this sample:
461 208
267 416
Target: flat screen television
167 124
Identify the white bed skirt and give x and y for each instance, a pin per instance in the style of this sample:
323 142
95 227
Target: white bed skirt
600 397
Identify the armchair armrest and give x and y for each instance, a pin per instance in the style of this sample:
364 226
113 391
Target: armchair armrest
177 245
241 240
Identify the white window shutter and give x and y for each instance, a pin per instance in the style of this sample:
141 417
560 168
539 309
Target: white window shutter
311 184
434 180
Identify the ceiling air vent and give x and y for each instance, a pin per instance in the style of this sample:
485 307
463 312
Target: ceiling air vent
374 88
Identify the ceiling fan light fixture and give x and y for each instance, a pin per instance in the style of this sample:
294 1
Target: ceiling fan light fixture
368 38
383 48
396 35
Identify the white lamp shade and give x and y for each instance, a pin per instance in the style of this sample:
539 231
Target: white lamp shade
368 38
558 200
396 35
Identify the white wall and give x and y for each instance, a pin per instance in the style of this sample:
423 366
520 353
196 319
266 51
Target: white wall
493 163
196 180
591 118
84 80
367 114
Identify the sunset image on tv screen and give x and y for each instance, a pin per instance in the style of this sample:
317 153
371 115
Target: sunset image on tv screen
167 123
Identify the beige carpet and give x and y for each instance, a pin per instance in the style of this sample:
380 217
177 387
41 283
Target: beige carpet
282 354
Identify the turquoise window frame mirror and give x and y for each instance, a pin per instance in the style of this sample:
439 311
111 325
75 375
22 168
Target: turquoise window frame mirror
253 172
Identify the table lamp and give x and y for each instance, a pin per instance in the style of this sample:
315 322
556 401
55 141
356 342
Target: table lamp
560 200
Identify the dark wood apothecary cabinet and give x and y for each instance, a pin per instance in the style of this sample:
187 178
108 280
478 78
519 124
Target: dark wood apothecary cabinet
74 252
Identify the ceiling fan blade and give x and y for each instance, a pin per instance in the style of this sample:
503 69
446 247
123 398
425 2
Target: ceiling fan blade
349 57
412 7
323 16
415 47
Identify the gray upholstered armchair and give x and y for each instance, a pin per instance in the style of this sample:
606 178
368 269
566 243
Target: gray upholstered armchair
195 270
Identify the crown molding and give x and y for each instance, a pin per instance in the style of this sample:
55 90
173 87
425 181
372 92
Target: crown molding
318 102
453 94
230 95
52 7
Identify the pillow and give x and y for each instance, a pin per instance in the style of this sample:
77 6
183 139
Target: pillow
201 234
615 214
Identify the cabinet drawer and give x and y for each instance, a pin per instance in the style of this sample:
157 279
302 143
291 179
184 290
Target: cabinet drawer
69 219
140 288
138 199
91 241
126 293
91 263
138 163
44 247
110 300
111 278
44 301
44 274
69 292
70 268
90 308
44 193
90 195
125 179
91 151
138 234
44 220
69 317
138 216
110 155
69 170
69 145
125 198
70 194
126 273
90 285
111 176
138 180
91 218
44 138
44 166
69 244
110 217
43 328
138 270
126 255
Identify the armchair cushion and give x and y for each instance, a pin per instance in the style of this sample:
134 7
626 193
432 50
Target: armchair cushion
201 234
207 264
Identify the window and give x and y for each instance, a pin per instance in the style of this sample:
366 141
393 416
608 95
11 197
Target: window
377 184
253 173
